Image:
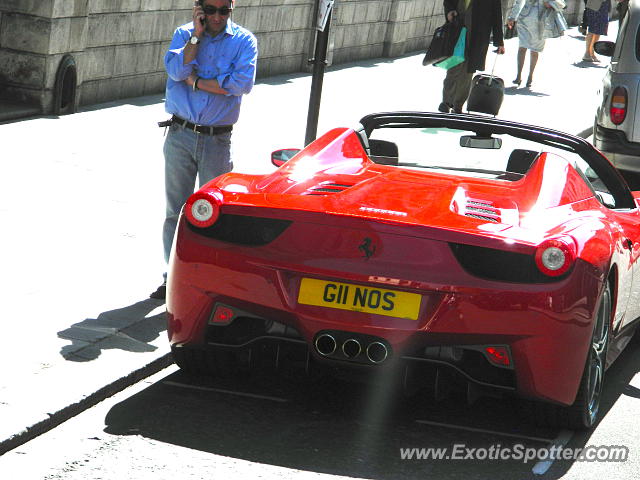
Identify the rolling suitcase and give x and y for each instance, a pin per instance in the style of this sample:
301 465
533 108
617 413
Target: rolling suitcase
487 93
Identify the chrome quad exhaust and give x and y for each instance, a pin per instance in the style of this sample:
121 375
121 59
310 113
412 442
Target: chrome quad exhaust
352 347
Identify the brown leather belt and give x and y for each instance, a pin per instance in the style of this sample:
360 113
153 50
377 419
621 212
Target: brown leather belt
204 129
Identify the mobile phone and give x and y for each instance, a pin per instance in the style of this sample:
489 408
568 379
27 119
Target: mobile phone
203 21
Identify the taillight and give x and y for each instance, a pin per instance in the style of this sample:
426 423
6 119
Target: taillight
498 355
618 105
203 208
556 256
222 315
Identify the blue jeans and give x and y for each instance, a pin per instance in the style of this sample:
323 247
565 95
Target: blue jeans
187 154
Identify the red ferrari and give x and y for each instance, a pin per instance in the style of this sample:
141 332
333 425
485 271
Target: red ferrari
452 249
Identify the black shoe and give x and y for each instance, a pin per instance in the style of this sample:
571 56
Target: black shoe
457 109
160 293
444 108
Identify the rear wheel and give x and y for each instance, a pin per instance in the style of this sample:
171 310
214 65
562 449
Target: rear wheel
583 414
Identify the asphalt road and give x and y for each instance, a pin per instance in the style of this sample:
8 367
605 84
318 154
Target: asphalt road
281 425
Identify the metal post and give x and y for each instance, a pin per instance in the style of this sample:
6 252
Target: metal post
319 62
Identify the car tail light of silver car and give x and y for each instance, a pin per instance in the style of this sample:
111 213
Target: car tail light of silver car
556 256
618 105
203 208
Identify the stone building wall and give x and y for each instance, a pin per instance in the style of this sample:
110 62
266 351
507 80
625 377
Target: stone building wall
114 49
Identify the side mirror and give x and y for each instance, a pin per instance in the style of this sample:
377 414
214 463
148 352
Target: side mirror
607 199
605 48
280 157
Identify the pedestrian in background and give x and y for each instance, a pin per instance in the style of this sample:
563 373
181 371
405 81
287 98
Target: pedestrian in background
529 16
482 18
211 64
582 28
597 15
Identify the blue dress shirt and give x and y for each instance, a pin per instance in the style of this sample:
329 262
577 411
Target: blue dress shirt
230 57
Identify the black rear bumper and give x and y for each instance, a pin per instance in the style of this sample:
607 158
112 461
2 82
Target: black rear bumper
614 141
253 342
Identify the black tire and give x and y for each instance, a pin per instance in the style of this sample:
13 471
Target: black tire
583 413
190 360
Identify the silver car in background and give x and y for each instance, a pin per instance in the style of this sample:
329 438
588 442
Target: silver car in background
616 131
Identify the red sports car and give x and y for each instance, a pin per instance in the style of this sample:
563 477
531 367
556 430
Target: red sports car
447 248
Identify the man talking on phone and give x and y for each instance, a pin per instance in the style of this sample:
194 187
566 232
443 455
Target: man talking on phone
211 64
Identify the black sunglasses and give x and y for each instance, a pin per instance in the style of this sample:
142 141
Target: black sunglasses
211 10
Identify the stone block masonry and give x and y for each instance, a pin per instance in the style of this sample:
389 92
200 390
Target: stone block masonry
93 51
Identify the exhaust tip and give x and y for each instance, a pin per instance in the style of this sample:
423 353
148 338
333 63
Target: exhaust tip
325 344
377 352
351 348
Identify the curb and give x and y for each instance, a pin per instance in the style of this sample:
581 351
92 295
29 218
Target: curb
70 411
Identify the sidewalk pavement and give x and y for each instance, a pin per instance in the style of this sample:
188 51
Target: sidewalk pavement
83 202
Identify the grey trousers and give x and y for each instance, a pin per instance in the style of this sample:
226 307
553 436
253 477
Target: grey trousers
457 85
187 155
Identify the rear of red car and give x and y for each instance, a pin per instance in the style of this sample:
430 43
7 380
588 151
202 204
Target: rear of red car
437 250
357 291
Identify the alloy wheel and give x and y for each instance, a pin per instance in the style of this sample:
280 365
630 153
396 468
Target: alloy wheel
598 356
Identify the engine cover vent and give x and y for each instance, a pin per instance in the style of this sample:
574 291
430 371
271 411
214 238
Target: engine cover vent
482 209
328 188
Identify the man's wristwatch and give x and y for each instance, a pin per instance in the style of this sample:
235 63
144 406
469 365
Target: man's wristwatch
194 40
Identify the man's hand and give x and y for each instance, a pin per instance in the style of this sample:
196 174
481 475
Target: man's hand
199 20
500 51
190 50
511 22
209 85
451 15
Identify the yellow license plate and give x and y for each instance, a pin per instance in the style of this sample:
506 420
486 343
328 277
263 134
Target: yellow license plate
358 298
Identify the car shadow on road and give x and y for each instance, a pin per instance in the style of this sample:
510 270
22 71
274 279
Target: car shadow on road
330 425
130 328
617 386
337 426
